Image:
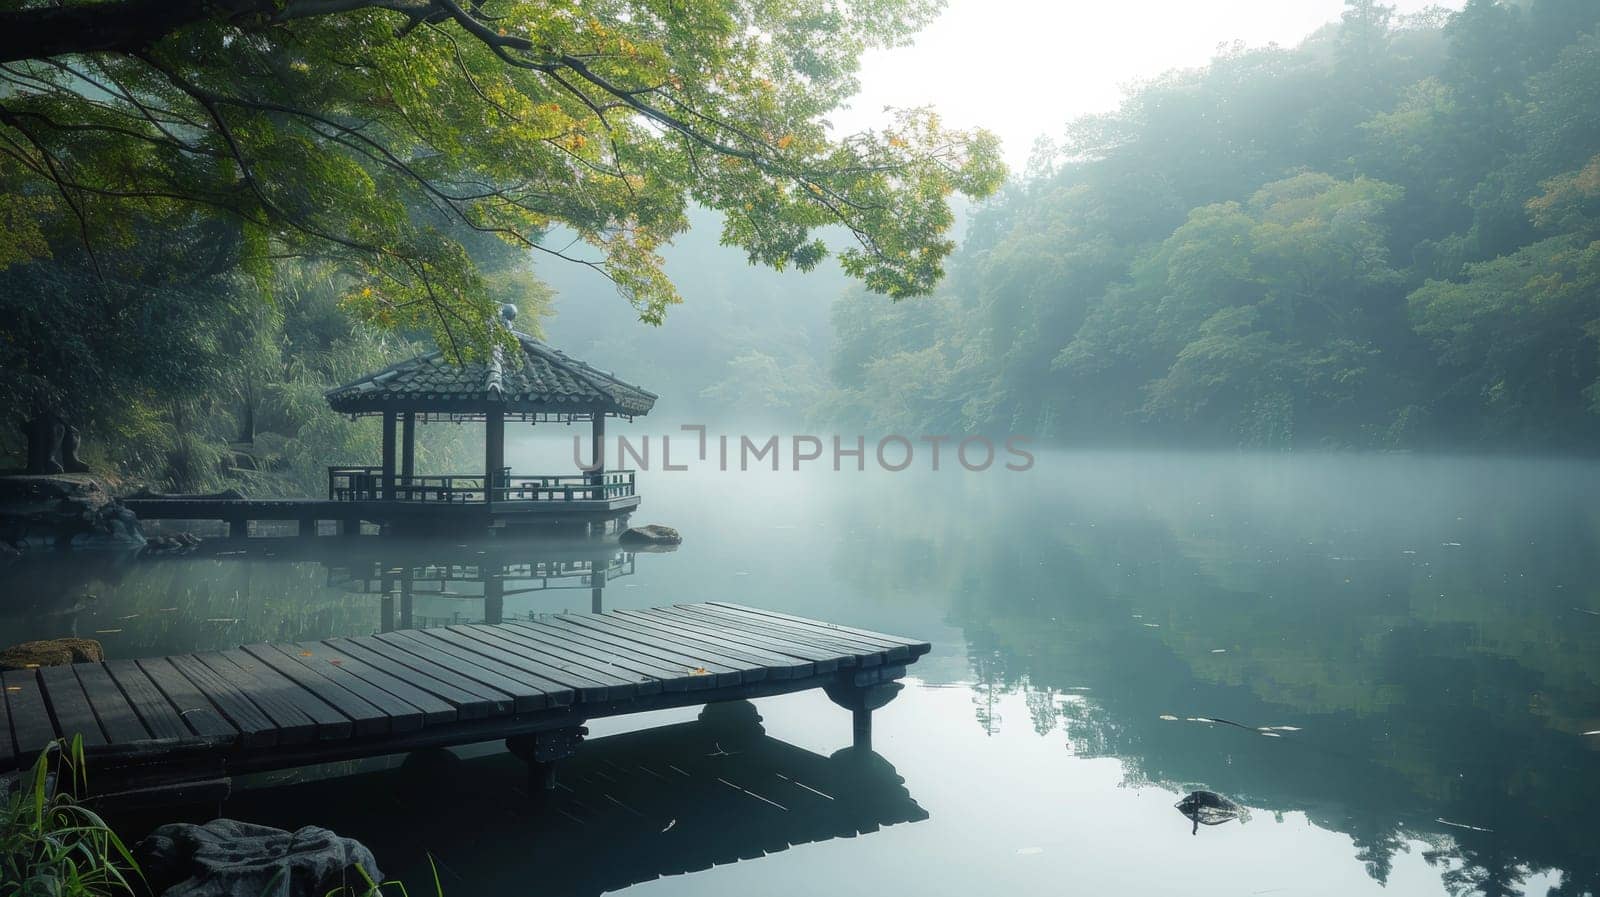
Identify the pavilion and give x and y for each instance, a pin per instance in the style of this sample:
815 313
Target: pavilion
539 384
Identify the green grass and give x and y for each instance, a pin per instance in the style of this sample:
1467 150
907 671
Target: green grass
53 846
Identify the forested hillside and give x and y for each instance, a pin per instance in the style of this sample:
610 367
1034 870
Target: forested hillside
1388 236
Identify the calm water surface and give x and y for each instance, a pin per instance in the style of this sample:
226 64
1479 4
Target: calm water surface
1407 651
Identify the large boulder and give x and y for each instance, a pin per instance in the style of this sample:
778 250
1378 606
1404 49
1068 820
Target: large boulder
65 510
174 543
650 534
228 858
54 652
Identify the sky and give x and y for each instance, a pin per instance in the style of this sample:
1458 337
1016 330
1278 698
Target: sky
1025 67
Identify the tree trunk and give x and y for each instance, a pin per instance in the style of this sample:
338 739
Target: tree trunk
70 443
45 432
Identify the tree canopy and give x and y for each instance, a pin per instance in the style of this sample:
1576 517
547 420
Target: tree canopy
373 133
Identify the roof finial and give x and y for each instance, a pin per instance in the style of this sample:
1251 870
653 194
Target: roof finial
508 313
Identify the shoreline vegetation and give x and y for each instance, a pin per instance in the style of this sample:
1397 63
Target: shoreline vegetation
52 845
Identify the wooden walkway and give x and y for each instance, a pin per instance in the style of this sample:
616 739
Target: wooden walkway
401 515
174 722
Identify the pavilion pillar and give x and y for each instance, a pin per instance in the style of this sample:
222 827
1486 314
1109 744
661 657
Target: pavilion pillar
494 453
408 447
597 454
388 455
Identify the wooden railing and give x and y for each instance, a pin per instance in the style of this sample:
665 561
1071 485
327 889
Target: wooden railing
366 484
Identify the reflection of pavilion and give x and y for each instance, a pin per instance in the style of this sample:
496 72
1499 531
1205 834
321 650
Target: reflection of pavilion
425 584
632 808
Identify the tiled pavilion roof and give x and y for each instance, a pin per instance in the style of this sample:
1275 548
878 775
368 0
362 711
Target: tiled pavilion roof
543 380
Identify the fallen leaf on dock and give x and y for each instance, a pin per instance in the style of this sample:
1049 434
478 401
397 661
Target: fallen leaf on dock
699 671
305 653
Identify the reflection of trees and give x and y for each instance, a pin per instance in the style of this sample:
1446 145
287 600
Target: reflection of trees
285 590
1428 680
154 606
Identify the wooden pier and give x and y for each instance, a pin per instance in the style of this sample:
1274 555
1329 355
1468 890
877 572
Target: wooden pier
418 505
191 721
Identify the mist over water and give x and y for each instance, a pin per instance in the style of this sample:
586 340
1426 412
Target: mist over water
1402 650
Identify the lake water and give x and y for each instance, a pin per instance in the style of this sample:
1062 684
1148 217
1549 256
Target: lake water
1406 652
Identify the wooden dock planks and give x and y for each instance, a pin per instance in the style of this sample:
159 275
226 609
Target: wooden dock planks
268 706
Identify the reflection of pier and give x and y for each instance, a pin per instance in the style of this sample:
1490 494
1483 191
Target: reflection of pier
428 586
632 808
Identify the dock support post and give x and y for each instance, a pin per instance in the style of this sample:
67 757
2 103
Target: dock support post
862 699
542 750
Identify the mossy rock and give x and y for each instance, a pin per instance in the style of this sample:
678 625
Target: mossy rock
652 534
51 653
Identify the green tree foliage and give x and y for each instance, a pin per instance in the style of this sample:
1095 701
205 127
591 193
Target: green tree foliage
186 373
374 132
1383 237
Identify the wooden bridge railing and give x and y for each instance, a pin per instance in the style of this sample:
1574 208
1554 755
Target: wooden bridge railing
366 484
